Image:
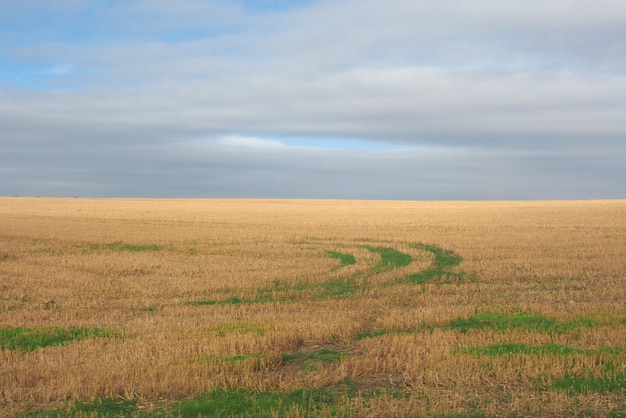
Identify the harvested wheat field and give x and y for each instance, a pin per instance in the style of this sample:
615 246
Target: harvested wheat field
145 307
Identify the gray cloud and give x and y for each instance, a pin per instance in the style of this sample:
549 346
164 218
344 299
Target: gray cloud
220 169
485 99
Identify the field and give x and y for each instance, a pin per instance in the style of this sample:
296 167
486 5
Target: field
130 307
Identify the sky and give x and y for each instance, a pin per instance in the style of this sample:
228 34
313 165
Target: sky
333 99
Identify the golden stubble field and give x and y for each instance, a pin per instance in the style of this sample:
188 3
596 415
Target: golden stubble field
400 308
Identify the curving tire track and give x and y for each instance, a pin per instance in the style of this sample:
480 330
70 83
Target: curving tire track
359 282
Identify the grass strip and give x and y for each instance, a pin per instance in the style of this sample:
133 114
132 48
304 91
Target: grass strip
380 333
243 403
30 339
345 259
389 258
506 349
444 260
518 320
101 407
234 403
324 355
611 378
116 246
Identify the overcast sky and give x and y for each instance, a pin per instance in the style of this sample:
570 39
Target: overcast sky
351 99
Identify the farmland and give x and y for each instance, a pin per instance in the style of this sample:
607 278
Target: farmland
146 307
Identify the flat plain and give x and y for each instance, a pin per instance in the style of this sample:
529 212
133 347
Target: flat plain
155 307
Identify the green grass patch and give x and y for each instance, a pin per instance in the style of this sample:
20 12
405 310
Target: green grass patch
270 294
345 259
102 407
106 407
444 260
390 258
332 289
505 349
611 378
502 322
310 361
324 355
380 333
519 320
244 403
116 246
30 339
204 302
234 300
233 403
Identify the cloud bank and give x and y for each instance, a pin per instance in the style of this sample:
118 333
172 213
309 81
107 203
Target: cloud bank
200 98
